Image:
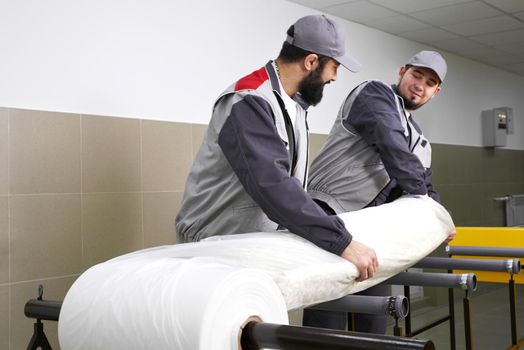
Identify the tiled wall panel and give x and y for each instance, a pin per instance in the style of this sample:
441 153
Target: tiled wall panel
44 152
111 225
110 154
4 240
4 317
4 151
45 236
165 155
159 217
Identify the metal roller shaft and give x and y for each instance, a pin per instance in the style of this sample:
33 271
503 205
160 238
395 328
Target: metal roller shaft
267 335
486 251
510 265
396 306
43 309
464 281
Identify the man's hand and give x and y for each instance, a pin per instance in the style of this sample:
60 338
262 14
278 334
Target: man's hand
363 257
451 235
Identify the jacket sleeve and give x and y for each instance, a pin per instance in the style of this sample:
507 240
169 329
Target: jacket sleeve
429 185
374 115
258 156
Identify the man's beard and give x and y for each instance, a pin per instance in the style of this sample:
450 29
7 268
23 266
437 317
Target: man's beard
312 87
408 104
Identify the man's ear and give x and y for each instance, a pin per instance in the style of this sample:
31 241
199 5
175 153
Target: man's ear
401 72
310 62
437 91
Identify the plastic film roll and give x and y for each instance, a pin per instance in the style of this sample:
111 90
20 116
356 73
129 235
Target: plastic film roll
197 295
145 303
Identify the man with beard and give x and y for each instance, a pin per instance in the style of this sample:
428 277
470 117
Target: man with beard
250 171
374 153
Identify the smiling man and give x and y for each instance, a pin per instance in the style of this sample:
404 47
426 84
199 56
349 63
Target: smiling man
376 152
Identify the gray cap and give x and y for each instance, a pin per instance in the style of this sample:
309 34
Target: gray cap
323 36
432 60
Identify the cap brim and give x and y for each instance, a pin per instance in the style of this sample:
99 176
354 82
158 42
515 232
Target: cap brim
350 63
431 68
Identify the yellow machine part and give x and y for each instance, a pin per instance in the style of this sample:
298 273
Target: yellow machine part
502 237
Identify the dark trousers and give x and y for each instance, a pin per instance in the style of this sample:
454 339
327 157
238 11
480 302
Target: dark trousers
356 322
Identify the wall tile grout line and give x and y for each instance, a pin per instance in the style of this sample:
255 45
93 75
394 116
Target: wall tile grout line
82 255
70 193
141 174
9 226
45 279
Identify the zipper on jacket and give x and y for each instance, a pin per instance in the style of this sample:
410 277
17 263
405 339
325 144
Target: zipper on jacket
293 158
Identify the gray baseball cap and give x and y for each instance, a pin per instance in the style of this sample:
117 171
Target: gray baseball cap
432 60
323 36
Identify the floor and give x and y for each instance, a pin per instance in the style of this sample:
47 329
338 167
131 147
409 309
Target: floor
490 315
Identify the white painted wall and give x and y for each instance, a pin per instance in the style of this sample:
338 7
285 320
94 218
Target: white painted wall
169 59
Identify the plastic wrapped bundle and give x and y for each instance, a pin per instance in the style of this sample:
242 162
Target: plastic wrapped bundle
166 296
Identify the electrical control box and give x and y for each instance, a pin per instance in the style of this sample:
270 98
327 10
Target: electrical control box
497 123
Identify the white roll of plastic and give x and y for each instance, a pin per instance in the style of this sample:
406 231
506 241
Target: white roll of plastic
187 296
166 303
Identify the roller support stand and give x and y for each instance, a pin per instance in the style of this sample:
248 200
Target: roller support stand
513 303
467 322
39 339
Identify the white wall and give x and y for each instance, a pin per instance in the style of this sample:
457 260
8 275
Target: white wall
168 60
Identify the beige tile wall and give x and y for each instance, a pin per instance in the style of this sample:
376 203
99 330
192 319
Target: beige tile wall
159 218
76 190
4 317
44 152
3 151
4 233
110 154
4 241
45 236
165 156
111 225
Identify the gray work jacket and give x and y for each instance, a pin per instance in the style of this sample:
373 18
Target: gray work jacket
250 171
374 147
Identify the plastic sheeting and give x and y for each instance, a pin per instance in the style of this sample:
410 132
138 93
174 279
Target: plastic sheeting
166 303
165 296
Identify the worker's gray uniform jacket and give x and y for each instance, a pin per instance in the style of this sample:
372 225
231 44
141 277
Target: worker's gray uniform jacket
250 172
374 153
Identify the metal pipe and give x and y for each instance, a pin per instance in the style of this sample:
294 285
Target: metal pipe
451 307
510 265
467 322
407 320
486 251
266 335
466 281
513 312
43 309
396 306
